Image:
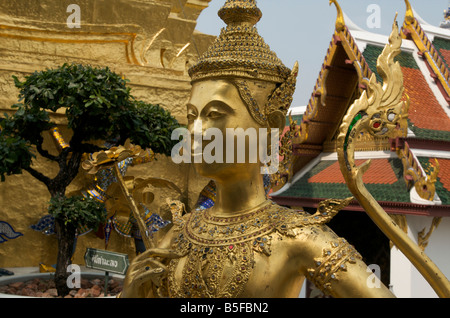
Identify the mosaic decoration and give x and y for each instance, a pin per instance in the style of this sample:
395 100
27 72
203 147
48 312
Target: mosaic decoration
62 144
208 239
7 232
103 180
107 231
153 221
5 272
45 225
207 197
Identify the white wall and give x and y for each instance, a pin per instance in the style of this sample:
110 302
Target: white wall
406 281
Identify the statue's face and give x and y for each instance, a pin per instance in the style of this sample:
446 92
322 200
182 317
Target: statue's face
214 106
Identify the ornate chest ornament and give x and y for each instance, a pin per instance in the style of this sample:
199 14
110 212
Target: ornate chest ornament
219 251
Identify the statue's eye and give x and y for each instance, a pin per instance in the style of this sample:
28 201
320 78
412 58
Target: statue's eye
191 116
215 114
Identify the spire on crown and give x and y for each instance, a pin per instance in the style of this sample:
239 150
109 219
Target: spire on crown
240 51
240 11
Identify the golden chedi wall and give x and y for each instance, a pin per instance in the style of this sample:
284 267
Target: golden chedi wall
150 42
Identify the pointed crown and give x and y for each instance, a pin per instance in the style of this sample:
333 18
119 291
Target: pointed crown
240 52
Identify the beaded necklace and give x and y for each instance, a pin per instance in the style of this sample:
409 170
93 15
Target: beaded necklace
219 251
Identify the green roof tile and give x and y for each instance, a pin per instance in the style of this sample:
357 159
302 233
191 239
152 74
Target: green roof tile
443 44
297 118
429 134
440 43
372 52
406 59
396 192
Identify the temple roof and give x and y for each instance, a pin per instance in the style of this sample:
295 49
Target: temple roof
428 120
349 62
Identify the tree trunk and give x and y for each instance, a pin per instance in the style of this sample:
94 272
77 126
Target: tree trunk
66 234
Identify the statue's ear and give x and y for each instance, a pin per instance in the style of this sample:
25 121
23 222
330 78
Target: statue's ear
277 119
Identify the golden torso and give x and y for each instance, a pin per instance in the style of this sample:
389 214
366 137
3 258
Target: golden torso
256 254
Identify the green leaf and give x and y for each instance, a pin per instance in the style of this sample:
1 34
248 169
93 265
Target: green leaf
72 85
78 210
35 89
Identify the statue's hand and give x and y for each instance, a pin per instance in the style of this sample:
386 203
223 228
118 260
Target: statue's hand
146 269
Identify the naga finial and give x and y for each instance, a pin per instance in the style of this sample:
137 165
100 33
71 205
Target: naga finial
426 185
409 16
340 21
379 109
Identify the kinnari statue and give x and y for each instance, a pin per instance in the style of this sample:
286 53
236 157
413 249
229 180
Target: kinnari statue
246 246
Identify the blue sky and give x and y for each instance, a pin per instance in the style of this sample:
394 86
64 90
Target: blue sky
301 30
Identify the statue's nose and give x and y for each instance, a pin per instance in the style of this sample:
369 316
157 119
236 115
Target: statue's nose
197 138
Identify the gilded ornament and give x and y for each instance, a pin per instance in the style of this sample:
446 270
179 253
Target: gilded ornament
423 237
378 112
207 240
334 260
241 54
245 245
425 185
412 29
110 159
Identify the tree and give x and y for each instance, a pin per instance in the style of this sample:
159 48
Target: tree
100 110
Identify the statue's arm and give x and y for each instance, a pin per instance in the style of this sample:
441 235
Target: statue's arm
336 268
148 270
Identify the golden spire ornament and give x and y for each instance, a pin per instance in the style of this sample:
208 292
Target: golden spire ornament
240 51
241 54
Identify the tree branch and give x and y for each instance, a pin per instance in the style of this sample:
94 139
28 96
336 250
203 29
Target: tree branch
68 169
62 159
44 179
89 148
45 153
77 145
74 165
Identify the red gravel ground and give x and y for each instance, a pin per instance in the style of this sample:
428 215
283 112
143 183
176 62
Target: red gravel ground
45 287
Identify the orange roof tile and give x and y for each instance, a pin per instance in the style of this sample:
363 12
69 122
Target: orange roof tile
380 172
445 55
444 172
425 111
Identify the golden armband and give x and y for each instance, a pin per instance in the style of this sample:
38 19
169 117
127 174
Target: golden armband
333 261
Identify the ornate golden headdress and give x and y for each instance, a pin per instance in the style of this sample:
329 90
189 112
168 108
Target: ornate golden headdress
240 53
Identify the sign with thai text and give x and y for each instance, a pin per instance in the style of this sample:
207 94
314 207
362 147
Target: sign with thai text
106 261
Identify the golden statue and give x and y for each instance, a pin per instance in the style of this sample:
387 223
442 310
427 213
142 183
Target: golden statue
245 245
